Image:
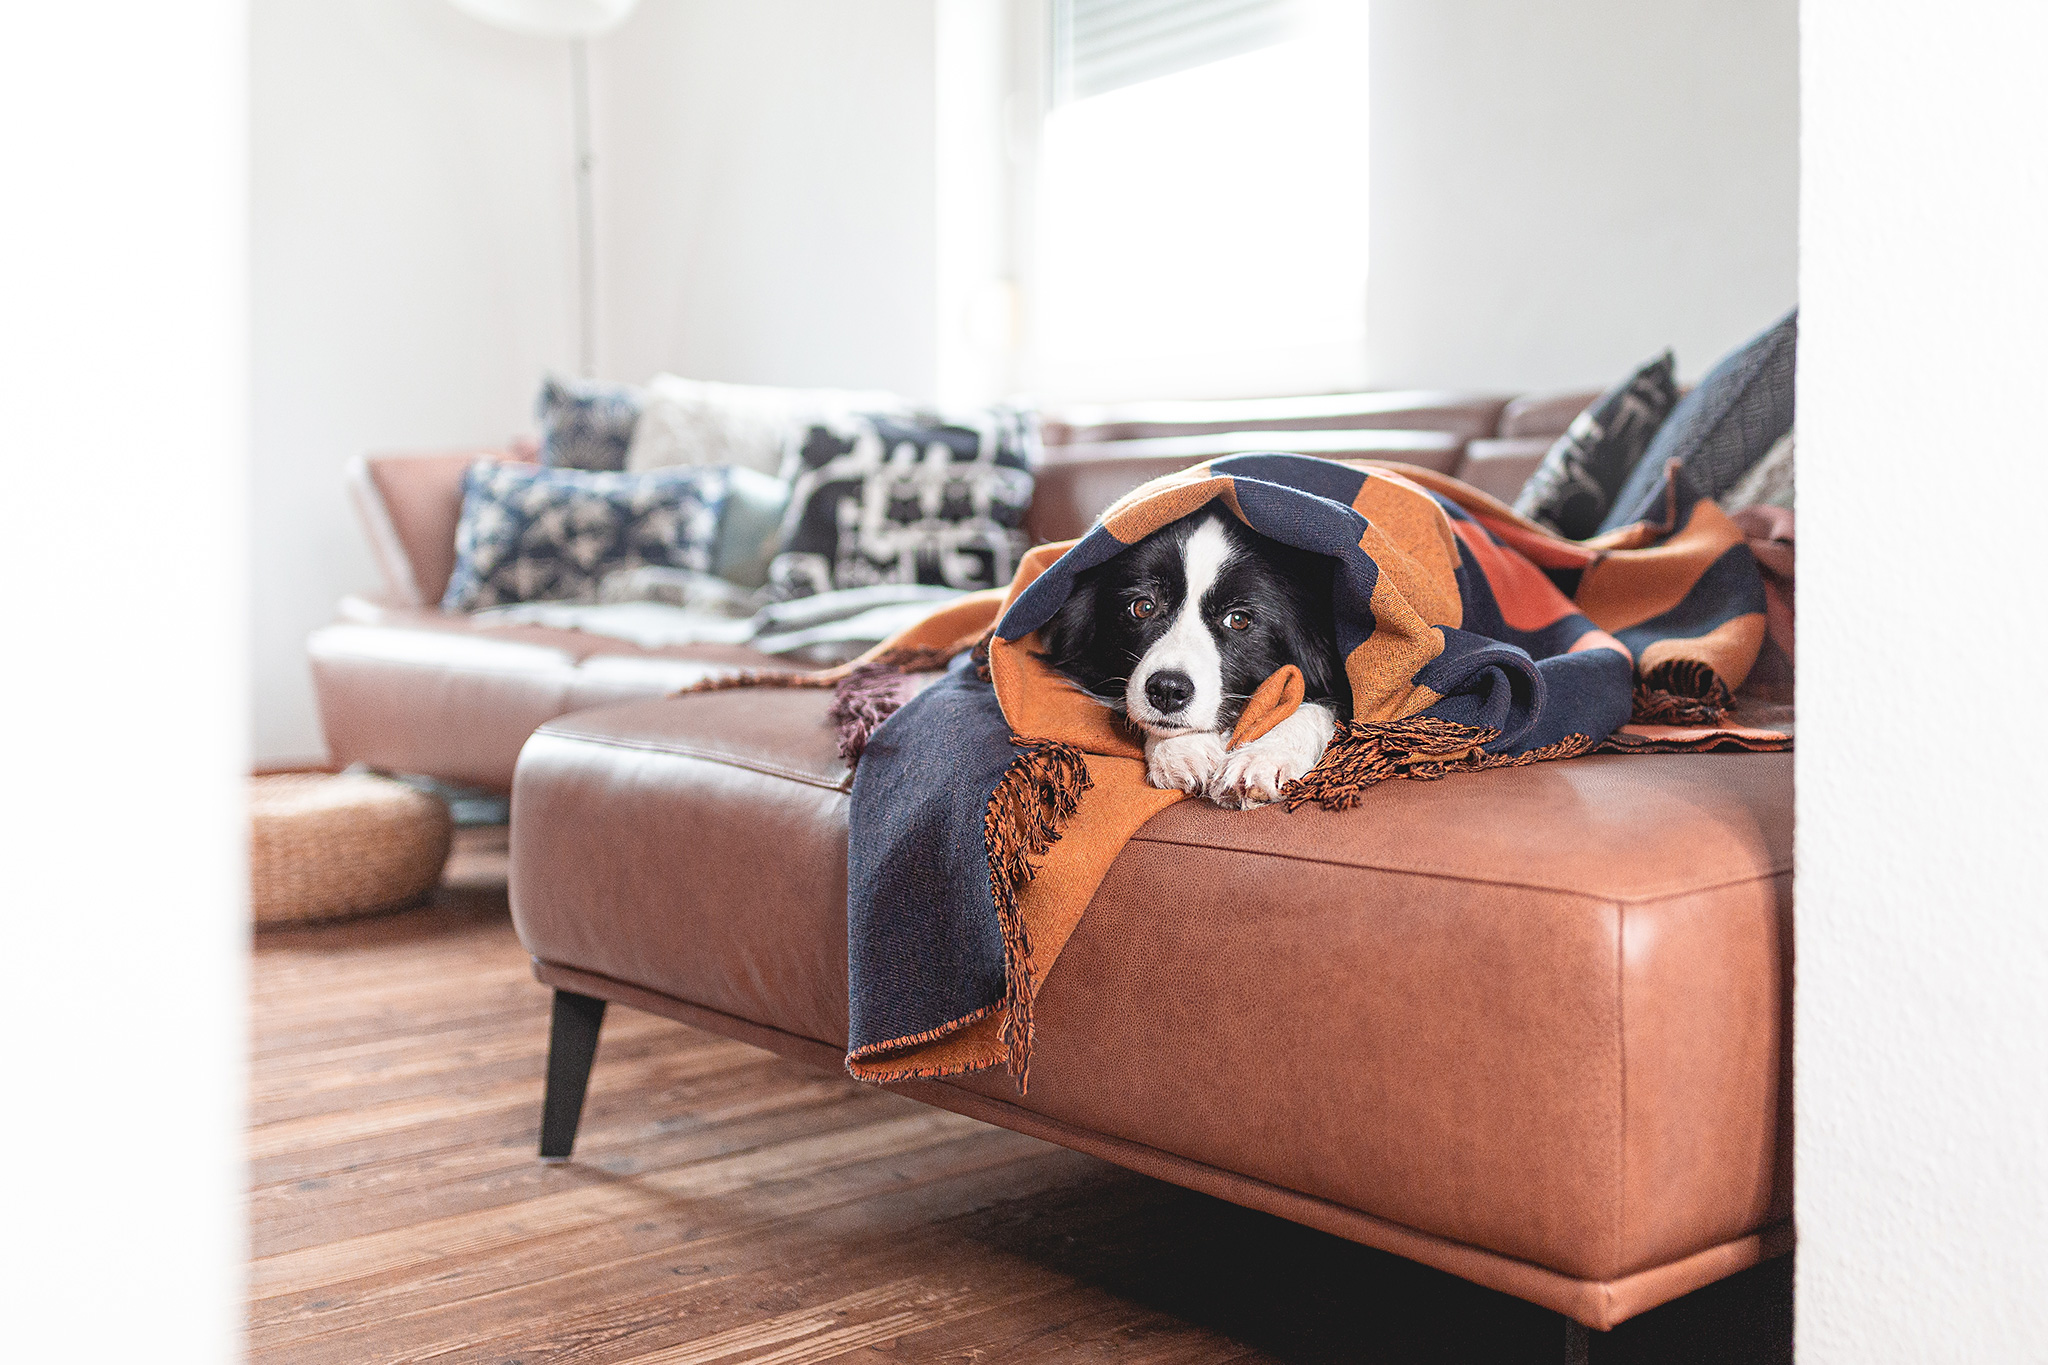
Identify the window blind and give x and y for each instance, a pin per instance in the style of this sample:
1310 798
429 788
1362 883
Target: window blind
1102 45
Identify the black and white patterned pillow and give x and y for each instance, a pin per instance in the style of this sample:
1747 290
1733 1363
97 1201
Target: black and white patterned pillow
1572 490
896 498
585 424
529 533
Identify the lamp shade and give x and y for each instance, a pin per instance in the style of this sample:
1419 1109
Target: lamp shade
550 18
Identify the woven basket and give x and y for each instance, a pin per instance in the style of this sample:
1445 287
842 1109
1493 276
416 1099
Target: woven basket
326 845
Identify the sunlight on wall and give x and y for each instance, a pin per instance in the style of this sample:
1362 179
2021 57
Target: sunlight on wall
1205 232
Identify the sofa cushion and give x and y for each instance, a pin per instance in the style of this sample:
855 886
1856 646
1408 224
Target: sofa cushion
1723 427
532 534
1578 480
903 498
586 423
416 690
1555 1035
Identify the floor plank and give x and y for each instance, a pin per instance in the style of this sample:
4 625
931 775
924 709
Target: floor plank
729 1206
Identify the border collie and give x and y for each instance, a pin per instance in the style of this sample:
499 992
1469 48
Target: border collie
1177 632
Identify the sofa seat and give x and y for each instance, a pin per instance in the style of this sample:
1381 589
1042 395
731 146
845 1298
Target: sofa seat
419 690
1525 1025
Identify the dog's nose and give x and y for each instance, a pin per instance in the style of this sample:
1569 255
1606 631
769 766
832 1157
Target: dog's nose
1169 690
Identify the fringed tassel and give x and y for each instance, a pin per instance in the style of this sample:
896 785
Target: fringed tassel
1421 748
876 690
1037 794
1681 692
864 698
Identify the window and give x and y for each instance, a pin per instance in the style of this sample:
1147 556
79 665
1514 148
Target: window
1201 200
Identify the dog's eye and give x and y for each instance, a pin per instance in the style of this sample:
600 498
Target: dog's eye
1141 608
1238 619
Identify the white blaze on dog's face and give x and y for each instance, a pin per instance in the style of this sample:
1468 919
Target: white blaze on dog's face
1180 629
1178 683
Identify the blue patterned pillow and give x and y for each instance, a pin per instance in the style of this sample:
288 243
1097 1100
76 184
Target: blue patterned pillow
585 424
530 534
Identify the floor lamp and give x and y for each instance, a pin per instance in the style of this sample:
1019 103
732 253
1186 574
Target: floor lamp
578 21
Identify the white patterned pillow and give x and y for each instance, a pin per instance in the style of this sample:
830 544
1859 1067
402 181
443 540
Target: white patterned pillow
697 421
529 533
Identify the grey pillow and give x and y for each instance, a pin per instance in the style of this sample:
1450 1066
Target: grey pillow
587 424
1720 429
1575 485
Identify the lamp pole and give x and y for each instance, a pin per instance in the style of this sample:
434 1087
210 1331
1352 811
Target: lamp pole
586 214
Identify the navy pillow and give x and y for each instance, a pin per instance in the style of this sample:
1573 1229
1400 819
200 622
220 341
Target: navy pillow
585 424
1721 428
530 534
1575 485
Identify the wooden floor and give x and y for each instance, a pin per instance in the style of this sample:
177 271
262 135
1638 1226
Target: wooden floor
727 1206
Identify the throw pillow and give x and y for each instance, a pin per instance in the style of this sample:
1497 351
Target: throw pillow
1771 484
1720 429
1575 485
929 499
754 504
529 533
585 424
694 421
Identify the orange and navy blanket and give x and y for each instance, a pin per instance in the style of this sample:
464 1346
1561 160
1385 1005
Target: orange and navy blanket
988 805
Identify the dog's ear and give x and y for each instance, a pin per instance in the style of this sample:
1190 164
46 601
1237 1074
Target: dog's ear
1067 634
1312 630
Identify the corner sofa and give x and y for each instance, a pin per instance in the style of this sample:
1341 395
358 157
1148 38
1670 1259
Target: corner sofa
1550 1057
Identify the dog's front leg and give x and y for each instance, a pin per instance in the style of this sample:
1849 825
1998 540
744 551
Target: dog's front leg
1253 774
1185 763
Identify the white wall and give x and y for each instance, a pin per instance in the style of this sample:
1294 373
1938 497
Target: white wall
766 204
412 277
1922 932
1561 190
769 193
122 370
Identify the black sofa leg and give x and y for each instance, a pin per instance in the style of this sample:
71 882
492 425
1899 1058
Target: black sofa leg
572 1047
1577 1343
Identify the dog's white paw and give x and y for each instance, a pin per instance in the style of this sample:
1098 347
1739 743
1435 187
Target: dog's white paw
1185 763
1253 777
1254 774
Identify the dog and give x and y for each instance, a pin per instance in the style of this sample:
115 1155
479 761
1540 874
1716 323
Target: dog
1177 632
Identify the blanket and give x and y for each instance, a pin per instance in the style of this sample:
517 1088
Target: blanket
988 804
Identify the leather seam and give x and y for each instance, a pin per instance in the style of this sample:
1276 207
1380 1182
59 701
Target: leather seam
1435 874
1621 1083
703 755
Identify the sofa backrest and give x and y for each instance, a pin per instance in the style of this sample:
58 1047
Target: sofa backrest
409 503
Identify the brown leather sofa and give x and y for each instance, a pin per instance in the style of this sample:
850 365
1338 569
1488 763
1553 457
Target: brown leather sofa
1528 1025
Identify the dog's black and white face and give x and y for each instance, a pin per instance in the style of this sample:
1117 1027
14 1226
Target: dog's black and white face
1178 631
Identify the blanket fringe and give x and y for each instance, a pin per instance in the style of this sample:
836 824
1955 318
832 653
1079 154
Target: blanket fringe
1681 692
1035 797
872 692
1421 748
759 677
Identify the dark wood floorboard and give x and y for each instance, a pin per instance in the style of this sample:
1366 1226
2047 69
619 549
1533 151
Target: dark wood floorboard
727 1206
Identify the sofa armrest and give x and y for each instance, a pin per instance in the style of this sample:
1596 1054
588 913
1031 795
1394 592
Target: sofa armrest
409 505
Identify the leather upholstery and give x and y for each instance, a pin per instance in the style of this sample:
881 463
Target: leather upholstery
1464 415
1558 1040
1501 467
419 499
1544 415
418 690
